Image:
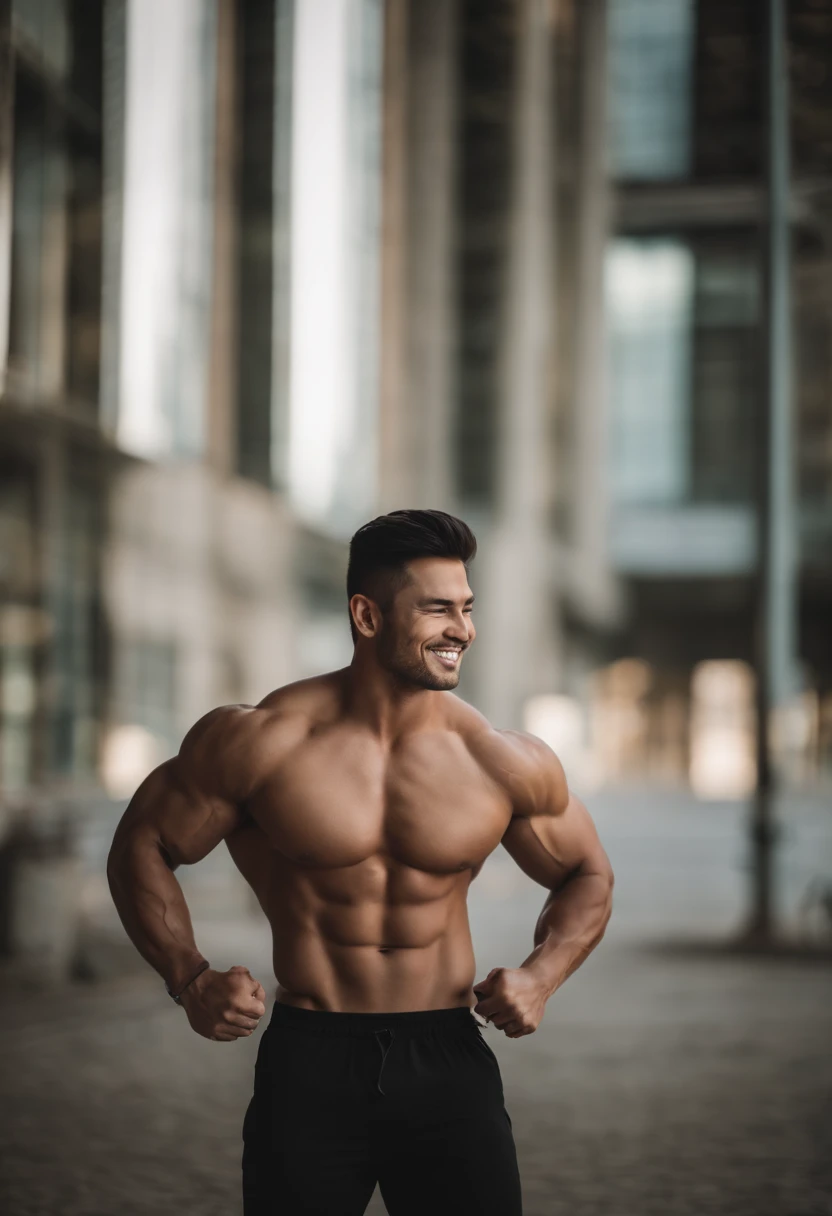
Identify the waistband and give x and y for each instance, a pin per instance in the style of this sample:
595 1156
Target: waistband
413 1022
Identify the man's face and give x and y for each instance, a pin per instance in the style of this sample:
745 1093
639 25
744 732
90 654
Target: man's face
428 626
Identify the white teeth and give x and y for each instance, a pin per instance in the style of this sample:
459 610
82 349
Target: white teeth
452 655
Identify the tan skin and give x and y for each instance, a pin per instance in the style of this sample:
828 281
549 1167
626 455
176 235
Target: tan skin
359 806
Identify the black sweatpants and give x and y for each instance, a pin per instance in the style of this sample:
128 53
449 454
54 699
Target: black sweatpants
413 1101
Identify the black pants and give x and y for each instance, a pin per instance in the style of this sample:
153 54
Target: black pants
413 1101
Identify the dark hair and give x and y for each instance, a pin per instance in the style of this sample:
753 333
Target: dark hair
387 543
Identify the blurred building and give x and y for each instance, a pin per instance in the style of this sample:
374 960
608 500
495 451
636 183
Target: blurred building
269 268
670 236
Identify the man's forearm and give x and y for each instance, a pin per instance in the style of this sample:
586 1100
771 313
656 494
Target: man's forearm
569 928
152 908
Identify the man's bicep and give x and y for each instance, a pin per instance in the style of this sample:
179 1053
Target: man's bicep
552 845
187 805
175 812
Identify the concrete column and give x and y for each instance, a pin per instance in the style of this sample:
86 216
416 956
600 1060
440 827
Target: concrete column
590 579
115 72
517 618
394 481
6 150
222 356
431 124
418 308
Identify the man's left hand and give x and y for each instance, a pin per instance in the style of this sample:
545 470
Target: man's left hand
512 999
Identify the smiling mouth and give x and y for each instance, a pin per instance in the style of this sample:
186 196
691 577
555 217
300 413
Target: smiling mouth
448 658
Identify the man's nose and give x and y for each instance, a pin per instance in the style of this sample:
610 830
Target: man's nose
458 630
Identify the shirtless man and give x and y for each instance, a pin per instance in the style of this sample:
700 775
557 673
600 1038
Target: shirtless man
359 806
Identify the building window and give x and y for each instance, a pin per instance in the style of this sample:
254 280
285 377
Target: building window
649 289
682 319
44 27
650 80
23 627
726 379
76 645
144 689
54 317
167 227
335 201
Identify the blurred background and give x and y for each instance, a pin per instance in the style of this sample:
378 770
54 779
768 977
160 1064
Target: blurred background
269 268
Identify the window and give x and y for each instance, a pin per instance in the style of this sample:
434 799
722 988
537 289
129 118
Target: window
54 318
76 608
23 626
335 184
167 227
649 287
144 688
726 375
682 318
650 81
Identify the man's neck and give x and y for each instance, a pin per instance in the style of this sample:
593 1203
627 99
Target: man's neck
388 705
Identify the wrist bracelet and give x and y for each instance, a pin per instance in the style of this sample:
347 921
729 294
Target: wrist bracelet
176 995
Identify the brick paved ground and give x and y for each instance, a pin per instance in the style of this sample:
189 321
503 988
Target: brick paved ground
655 1085
661 1083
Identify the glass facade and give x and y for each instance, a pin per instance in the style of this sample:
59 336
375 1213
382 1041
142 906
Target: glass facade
167 227
144 689
55 310
682 317
650 51
42 27
73 599
334 240
649 290
727 384
21 625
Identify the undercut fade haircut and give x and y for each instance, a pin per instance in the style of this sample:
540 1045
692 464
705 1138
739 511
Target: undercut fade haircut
380 550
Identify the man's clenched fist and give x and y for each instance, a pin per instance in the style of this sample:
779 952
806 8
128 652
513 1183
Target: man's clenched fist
512 999
224 1005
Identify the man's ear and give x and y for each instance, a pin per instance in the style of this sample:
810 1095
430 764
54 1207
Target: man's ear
366 615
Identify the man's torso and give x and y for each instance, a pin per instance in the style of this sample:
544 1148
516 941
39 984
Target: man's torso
361 854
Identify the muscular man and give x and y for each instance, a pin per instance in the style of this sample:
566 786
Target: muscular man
359 806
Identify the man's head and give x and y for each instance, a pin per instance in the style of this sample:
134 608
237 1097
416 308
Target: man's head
407 585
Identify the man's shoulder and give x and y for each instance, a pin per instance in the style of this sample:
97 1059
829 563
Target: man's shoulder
480 734
314 699
246 732
520 763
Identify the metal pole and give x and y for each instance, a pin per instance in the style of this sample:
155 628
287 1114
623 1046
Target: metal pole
777 543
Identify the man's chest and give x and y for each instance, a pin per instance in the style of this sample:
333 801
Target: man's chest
427 805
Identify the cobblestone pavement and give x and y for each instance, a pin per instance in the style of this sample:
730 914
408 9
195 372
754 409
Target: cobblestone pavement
655 1085
662 1082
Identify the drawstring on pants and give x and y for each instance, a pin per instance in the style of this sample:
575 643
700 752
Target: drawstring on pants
384 1051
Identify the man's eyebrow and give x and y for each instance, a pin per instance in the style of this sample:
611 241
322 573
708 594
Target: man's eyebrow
444 603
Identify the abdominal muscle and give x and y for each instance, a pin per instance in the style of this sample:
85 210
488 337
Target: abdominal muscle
374 957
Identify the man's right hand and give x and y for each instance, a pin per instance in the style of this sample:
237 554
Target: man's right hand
224 1005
